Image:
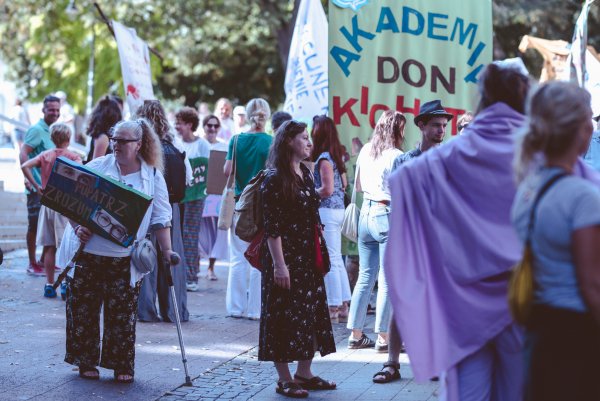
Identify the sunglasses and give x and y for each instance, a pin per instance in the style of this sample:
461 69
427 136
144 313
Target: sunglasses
122 141
215 126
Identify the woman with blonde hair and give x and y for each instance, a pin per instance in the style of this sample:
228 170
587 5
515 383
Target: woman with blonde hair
104 274
557 212
375 163
251 150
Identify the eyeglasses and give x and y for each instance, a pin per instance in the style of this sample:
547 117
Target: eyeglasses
215 126
122 141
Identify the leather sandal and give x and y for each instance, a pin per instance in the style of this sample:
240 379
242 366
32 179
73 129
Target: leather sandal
290 389
384 376
89 373
121 380
315 383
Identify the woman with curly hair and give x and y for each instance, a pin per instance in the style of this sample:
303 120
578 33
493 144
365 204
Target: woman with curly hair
375 163
155 285
104 277
105 115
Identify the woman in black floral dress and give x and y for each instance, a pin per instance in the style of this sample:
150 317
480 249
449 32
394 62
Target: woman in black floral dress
294 317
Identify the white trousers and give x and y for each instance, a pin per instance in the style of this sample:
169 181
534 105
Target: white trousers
243 292
337 284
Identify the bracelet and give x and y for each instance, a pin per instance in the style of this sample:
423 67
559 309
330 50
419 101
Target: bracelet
76 228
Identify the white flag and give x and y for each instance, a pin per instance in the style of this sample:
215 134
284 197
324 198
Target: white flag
579 46
135 66
306 79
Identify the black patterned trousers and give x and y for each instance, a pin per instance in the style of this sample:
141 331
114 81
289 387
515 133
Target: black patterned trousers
101 281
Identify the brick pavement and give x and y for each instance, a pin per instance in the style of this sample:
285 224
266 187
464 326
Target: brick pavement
221 353
246 378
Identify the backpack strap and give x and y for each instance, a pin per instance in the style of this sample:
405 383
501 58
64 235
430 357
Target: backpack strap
536 201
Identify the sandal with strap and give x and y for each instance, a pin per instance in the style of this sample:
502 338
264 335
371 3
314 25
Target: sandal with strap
291 389
386 376
89 373
126 380
315 383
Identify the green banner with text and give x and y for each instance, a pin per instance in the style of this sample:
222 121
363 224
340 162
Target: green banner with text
390 54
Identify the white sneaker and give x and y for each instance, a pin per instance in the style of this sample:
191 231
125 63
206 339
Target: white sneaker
192 287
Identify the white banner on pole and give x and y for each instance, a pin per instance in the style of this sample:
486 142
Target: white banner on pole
135 66
577 57
306 77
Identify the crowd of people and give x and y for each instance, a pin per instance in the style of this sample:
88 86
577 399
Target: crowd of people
457 212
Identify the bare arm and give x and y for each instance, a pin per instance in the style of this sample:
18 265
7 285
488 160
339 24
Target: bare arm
23 157
282 274
26 168
326 171
100 146
227 168
344 182
586 257
357 183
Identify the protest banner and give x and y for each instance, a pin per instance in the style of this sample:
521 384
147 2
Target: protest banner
197 188
306 76
398 55
107 207
135 66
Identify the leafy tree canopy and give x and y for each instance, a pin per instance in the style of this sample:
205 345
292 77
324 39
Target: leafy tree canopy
210 48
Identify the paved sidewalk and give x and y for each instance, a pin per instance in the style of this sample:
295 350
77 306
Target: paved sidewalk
245 378
221 353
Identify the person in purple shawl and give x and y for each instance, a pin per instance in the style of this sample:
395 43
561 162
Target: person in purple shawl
455 246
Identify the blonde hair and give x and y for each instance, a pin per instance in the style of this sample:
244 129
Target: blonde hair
556 112
151 149
389 132
60 133
258 112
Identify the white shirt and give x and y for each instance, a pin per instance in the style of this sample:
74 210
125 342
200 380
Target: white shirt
157 215
374 174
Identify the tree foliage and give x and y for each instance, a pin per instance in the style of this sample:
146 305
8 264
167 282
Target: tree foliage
210 48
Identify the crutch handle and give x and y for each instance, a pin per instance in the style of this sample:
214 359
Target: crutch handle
175 259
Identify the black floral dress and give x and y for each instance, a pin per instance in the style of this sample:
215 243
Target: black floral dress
293 321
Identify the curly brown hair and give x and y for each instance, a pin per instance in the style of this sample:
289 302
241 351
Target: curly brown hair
154 112
189 115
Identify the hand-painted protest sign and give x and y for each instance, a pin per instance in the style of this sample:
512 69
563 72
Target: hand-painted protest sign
388 54
197 188
135 66
306 80
107 207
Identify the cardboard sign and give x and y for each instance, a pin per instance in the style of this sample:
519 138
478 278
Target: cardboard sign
107 207
216 181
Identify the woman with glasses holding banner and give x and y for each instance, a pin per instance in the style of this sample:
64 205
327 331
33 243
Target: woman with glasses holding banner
104 277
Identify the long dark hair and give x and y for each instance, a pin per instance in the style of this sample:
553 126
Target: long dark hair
105 115
326 139
506 85
280 157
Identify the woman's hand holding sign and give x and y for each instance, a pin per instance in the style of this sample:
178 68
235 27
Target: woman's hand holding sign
83 234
